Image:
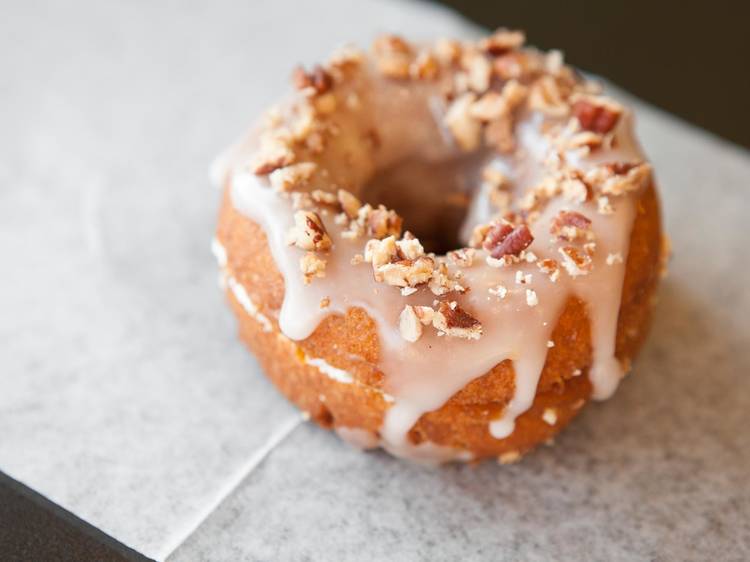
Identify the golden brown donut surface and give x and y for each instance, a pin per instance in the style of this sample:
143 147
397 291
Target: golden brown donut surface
365 319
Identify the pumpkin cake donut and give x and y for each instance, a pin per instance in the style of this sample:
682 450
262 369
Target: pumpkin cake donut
446 249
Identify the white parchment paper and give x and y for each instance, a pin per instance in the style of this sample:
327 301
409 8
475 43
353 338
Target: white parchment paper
125 397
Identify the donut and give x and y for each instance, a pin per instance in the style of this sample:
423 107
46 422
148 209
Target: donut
445 250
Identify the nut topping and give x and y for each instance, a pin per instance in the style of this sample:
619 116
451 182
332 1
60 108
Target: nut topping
486 87
292 176
318 81
550 267
463 257
407 272
308 232
409 324
392 56
272 157
312 266
597 115
502 41
454 321
570 226
466 129
504 240
382 222
349 203
575 261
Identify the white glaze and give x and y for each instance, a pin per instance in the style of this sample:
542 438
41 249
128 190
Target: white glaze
422 376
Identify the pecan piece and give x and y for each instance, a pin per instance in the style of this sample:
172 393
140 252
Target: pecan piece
317 81
308 232
409 324
463 257
382 222
570 226
406 273
349 203
550 267
292 176
272 157
502 41
596 115
392 56
575 261
504 240
312 266
466 129
454 321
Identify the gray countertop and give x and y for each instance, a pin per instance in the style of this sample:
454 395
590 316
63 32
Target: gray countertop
126 398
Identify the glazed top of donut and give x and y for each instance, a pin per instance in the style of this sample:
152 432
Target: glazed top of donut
503 150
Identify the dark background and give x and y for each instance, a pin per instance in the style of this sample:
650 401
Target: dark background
690 58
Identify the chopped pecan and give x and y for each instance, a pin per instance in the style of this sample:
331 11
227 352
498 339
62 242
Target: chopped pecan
409 247
318 80
308 232
424 67
406 272
626 178
454 321
388 43
324 197
479 71
575 189
292 176
392 56
493 105
409 324
502 41
349 203
381 252
382 222
466 130
478 234
570 226
441 282
312 266
550 267
504 240
575 261
490 106
425 314
448 51
463 257
597 114
587 140
548 97
499 135
271 157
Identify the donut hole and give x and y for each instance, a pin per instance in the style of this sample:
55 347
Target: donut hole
433 197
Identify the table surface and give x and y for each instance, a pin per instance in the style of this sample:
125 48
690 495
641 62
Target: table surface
126 398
